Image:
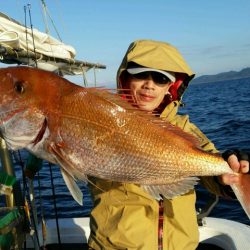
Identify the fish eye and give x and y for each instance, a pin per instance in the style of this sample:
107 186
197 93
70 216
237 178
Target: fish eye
19 88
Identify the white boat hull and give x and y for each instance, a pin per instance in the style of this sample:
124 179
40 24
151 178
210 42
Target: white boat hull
226 234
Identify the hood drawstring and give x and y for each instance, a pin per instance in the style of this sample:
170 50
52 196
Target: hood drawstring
160 225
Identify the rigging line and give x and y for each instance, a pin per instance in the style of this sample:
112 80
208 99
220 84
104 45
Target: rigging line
47 26
26 34
55 207
31 26
53 24
85 81
94 69
34 211
25 188
45 18
27 217
42 211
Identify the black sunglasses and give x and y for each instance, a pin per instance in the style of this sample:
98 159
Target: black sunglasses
157 77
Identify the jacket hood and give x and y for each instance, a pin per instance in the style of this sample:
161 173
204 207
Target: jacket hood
160 56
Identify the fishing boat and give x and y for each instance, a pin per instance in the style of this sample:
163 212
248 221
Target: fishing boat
20 226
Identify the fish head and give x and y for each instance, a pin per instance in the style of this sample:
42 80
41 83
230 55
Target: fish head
25 97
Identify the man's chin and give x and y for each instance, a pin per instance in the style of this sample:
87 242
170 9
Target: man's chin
146 107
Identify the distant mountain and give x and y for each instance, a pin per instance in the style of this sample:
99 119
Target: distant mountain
231 75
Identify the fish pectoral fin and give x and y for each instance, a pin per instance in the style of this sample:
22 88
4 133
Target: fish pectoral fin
69 179
60 157
171 190
72 186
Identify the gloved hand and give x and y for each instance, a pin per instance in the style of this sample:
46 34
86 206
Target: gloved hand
239 163
241 155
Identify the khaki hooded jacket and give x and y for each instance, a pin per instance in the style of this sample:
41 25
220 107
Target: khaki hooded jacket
124 216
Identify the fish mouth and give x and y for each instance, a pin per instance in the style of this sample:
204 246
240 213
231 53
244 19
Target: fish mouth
41 132
9 115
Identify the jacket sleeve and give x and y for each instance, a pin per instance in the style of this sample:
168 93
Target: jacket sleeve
209 182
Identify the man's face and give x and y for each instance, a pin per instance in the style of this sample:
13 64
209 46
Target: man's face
147 93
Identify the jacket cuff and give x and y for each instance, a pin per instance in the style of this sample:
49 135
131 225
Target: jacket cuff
226 190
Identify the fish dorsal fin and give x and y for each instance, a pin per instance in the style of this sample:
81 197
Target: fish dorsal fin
126 102
171 190
195 141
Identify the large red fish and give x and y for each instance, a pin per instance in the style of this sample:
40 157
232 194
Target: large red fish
96 133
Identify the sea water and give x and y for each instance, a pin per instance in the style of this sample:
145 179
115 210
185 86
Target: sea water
220 109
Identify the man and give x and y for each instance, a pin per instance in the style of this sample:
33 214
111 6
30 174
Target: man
126 217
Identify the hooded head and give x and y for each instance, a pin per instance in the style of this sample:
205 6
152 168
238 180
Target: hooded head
149 55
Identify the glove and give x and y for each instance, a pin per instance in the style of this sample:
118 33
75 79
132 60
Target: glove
241 155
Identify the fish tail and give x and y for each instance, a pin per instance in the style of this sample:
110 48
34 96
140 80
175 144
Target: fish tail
242 192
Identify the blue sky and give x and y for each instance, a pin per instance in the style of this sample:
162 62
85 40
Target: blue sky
213 36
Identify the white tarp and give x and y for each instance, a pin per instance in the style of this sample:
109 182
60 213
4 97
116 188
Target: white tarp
14 35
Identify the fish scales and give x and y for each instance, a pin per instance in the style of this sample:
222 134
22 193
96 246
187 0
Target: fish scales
119 129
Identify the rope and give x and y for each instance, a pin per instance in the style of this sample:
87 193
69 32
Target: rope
45 14
85 81
52 22
94 69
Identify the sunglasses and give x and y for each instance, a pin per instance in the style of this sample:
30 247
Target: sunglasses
156 77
